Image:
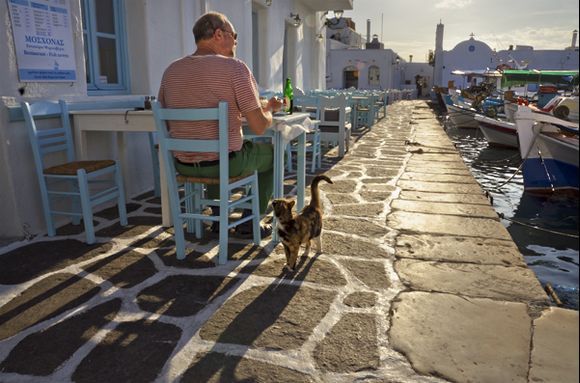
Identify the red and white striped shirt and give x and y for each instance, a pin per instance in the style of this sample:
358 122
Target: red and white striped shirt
202 82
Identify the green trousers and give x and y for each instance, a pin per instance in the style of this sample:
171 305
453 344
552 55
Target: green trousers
252 156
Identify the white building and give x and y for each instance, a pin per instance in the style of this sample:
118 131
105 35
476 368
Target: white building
122 48
348 64
473 54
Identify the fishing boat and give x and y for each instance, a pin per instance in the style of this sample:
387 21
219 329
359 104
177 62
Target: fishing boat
459 112
498 132
549 148
463 105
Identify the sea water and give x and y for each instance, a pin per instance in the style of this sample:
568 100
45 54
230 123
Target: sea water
544 227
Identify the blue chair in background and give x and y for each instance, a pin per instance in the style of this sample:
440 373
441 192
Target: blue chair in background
307 104
188 209
366 111
76 181
335 126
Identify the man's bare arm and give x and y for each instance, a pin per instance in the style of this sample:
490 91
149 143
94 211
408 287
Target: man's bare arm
260 119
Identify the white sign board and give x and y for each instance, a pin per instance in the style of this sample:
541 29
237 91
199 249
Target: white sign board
43 40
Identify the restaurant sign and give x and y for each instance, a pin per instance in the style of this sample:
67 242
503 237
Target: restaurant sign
43 40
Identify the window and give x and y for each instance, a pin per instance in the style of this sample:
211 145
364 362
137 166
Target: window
374 75
350 77
105 47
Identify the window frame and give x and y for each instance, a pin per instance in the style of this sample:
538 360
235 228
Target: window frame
91 49
371 80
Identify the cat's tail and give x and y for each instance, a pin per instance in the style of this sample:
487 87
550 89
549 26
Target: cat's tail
315 195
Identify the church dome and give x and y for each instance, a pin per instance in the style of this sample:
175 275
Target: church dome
472 46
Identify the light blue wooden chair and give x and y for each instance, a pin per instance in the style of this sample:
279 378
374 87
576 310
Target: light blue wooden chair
188 209
307 104
70 179
366 111
335 126
381 105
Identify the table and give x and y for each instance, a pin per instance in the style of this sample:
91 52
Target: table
121 121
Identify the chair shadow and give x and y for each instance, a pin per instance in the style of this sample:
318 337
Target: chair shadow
247 327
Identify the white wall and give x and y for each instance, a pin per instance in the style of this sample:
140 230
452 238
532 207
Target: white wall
19 202
158 32
362 59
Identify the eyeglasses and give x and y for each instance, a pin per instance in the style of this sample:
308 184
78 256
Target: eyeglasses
233 34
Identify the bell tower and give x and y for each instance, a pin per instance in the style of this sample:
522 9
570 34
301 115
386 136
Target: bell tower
438 67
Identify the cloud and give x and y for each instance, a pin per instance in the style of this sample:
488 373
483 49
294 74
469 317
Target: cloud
453 4
539 38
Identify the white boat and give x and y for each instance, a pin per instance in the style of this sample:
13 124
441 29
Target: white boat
461 116
498 132
549 149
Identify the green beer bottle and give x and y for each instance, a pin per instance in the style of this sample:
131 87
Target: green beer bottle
288 96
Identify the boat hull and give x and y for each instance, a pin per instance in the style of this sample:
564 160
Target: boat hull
497 132
461 117
549 151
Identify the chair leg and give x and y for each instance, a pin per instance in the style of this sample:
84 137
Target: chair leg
46 209
178 235
86 207
197 195
316 149
189 206
256 210
121 203
223 235
76 204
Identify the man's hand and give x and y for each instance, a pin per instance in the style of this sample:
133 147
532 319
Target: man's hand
275 104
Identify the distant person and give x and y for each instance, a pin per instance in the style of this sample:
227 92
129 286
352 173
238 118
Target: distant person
419 85
201 80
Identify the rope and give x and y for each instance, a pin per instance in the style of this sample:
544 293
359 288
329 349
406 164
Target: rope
496 188
523 160
507 159
502 216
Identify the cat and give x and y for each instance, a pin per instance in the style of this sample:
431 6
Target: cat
297 229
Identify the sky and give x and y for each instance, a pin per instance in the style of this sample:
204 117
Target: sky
408 26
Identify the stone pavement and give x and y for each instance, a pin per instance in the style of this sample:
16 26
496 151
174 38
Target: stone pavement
418 282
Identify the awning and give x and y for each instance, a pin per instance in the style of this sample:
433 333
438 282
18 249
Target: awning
514 77
329 5
477 73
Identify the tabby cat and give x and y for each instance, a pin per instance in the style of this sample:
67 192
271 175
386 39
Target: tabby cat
297 229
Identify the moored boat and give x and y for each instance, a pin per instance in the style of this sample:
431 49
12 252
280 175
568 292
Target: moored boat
462 117
498 132
549 149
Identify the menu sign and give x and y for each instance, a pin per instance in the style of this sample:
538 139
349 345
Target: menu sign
43 40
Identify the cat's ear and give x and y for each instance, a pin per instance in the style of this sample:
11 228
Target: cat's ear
291 204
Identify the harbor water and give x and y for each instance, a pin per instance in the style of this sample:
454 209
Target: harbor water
544 227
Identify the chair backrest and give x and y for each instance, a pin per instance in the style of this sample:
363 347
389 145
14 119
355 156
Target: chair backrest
50 140
308 104
167 144
332 110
